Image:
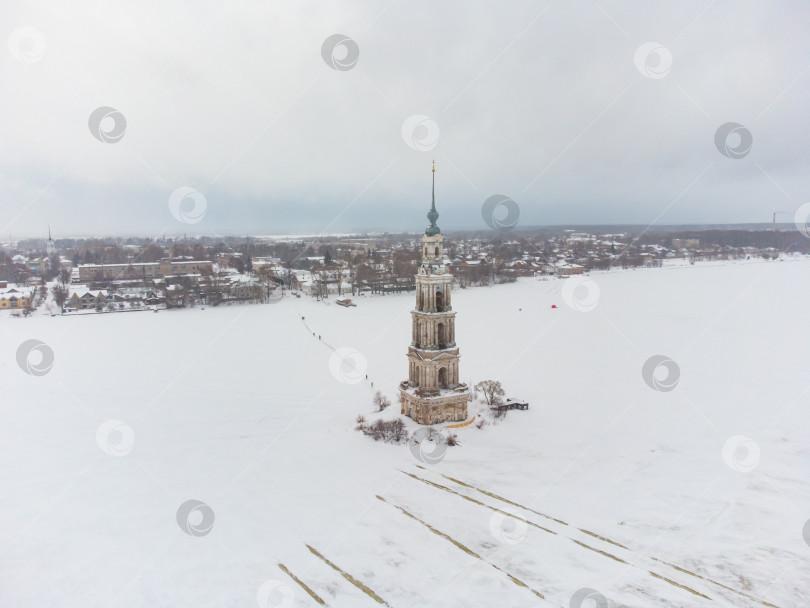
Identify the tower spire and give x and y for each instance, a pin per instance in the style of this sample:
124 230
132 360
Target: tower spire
50 246
433 215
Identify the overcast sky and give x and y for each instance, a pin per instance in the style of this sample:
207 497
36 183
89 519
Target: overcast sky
580 111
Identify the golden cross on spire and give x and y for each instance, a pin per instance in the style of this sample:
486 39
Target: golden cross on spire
434 165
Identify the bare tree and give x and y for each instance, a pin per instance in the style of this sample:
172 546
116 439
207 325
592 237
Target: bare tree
53 266
267 277
60 295
215 285
398 432
29 307
381 401
42 293
320 284
153 253
491 390
389 431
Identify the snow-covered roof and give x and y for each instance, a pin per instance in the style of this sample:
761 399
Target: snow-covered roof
8 292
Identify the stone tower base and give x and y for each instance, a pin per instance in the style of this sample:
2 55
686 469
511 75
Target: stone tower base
445 406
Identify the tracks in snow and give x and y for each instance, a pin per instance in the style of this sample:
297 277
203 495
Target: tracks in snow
361 586
584 538
301 584
464 548
660 570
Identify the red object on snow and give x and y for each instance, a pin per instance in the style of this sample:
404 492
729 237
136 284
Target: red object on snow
554 306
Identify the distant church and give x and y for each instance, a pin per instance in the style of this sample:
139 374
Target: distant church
432 393
50 246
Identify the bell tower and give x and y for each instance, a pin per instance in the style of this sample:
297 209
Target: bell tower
432 393
50 246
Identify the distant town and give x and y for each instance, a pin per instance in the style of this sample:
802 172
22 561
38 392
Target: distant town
76 275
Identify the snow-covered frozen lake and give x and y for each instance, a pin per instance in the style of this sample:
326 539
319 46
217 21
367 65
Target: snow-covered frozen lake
694 496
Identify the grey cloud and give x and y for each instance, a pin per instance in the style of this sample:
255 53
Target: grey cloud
539 102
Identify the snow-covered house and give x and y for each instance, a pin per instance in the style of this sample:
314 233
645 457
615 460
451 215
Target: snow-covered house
83 299
244 287
12 298
562 269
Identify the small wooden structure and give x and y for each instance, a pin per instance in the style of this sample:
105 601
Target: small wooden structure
347 302
511 404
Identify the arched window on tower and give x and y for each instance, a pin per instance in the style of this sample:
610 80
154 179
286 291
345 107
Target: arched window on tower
437 252
439 300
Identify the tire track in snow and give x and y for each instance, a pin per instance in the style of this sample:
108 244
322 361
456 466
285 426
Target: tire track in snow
592 534
311 593
464 548
477 502
674 584
581 544
502 499
605 553
361 586
690 573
